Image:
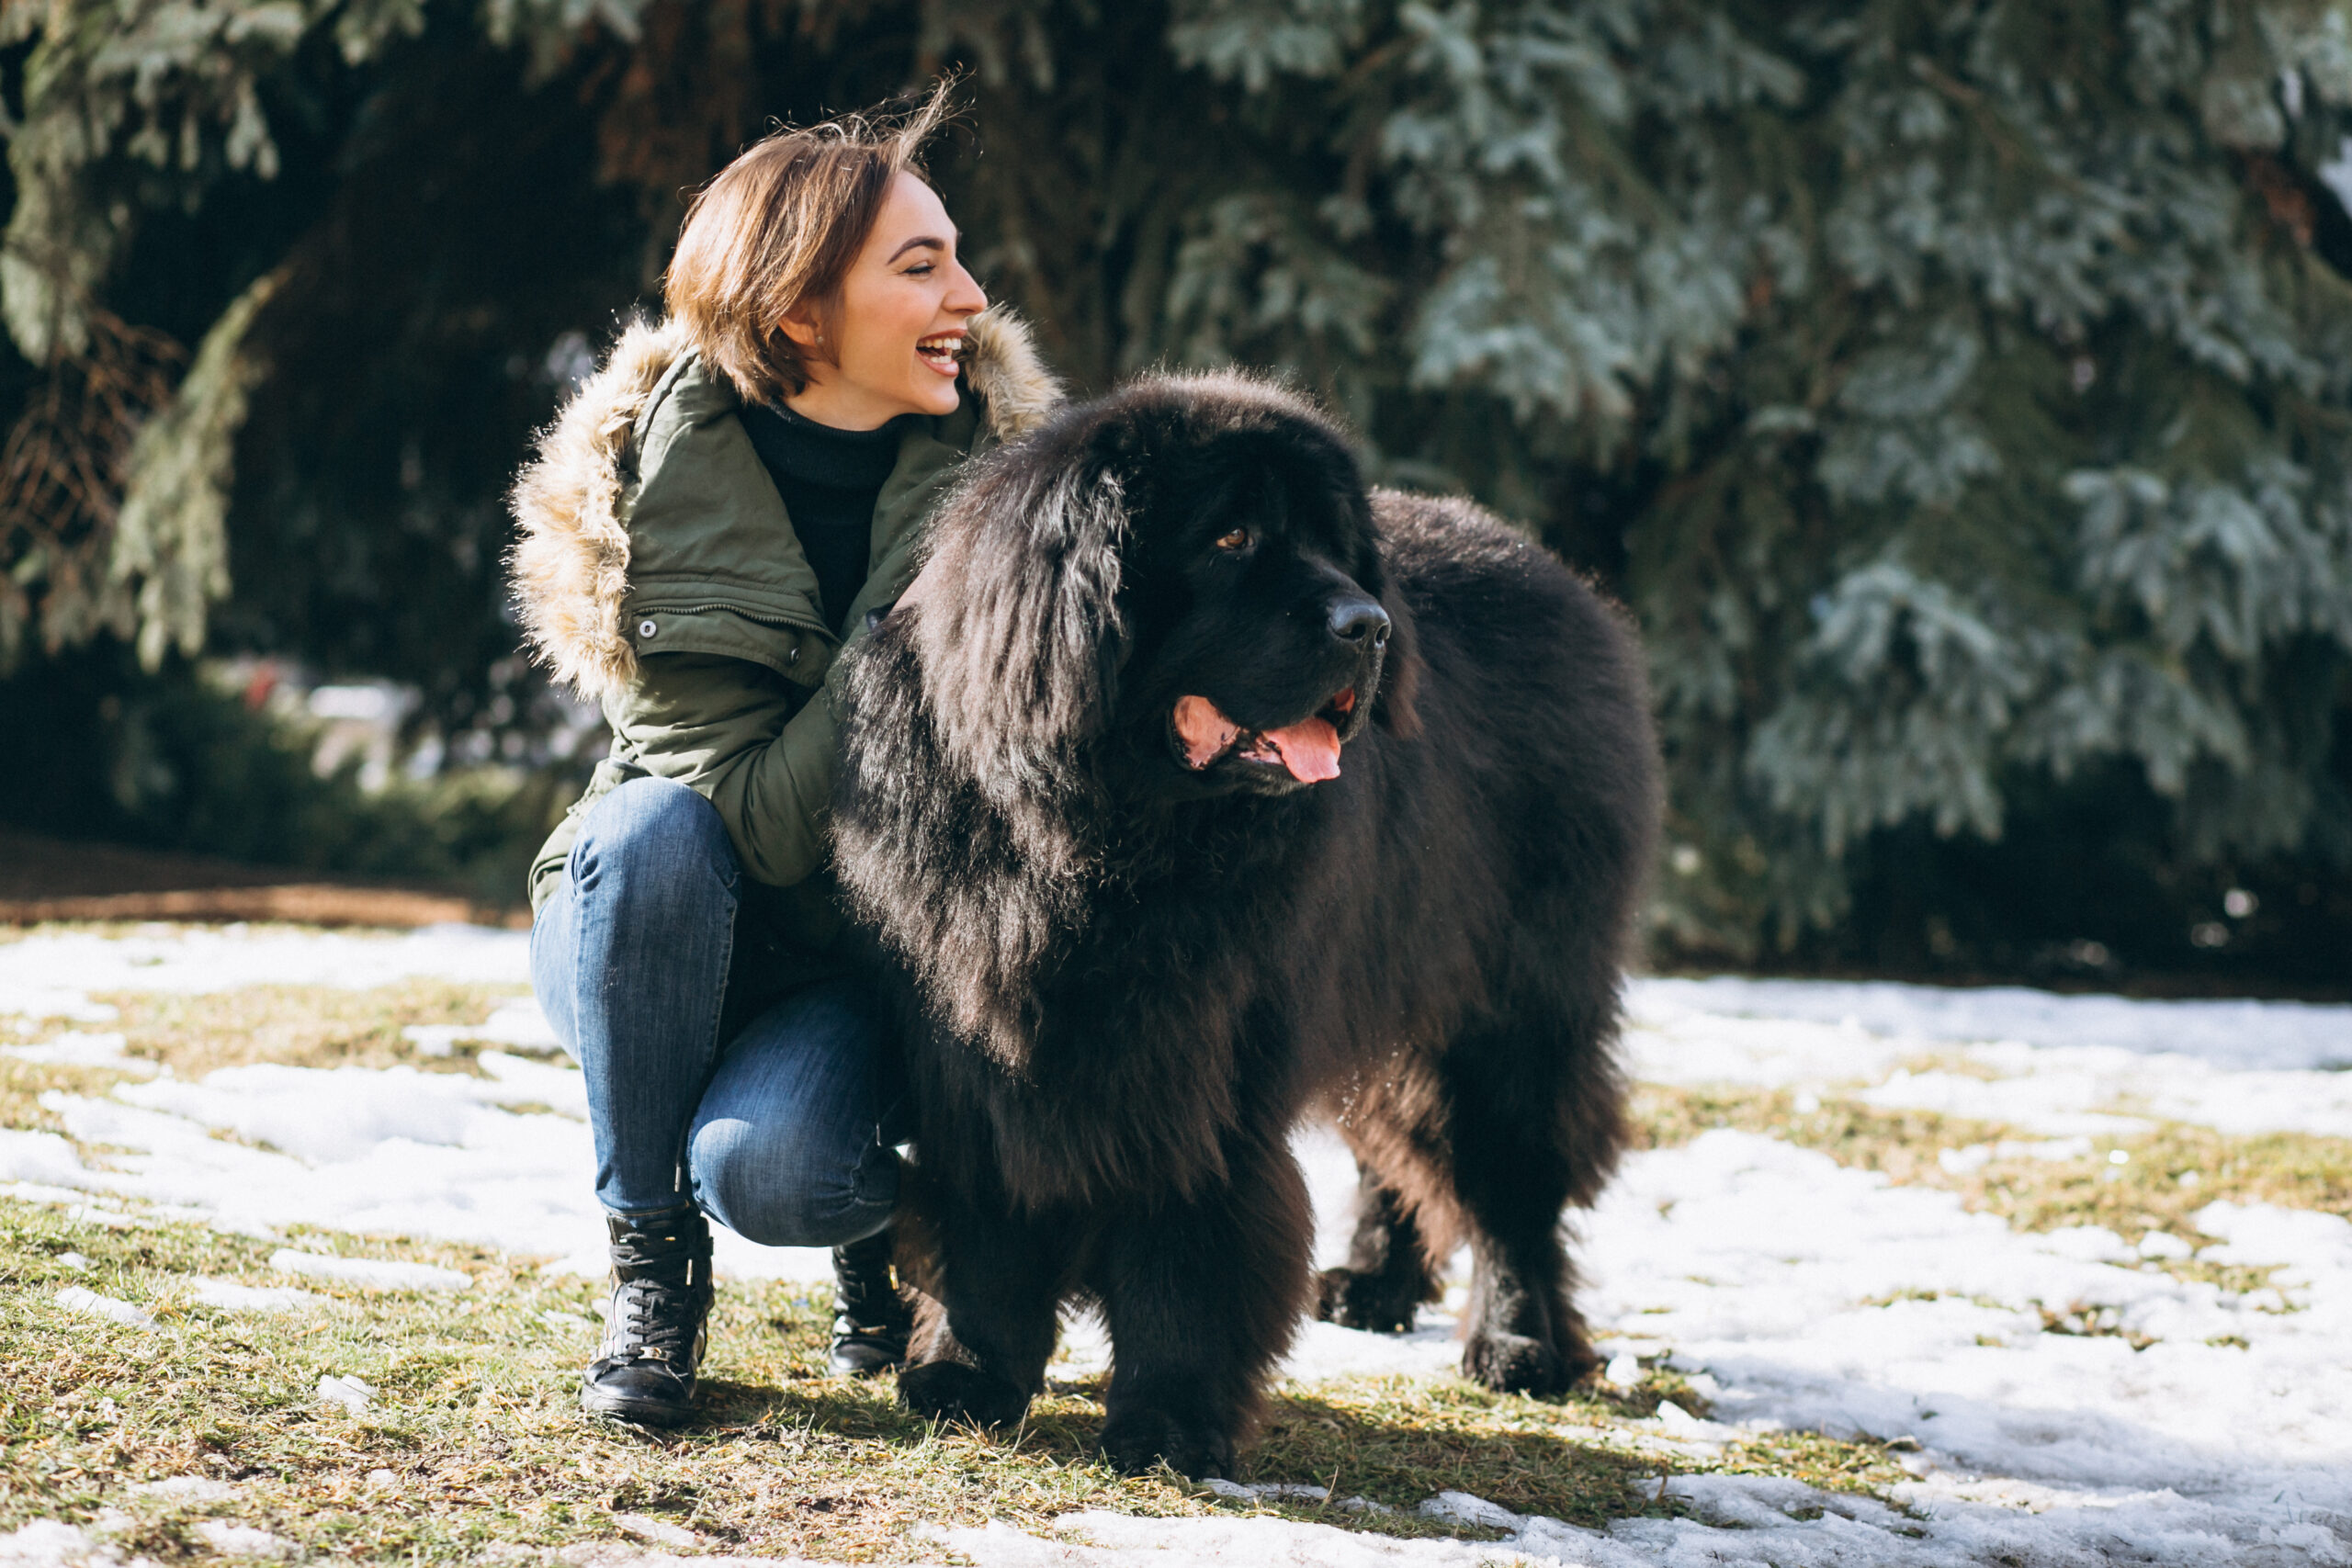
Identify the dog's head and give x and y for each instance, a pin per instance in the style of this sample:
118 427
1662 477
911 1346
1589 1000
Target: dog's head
1181 581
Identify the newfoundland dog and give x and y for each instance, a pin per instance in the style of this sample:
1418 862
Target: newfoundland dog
1195 789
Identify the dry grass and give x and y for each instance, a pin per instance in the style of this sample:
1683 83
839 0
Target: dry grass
302 1026
2167 1174
475 1439
305 1026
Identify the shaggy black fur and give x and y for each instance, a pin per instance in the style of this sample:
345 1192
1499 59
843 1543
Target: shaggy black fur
1126 977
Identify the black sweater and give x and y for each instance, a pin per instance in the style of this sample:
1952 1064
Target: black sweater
828 479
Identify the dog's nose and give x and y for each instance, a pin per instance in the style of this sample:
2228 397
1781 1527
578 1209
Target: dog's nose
1359 620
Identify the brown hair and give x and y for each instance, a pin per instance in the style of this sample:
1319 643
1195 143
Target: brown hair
774 232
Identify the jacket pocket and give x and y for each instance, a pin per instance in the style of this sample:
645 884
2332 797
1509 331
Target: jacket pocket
799 653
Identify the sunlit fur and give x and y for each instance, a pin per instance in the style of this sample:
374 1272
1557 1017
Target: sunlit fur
1123 982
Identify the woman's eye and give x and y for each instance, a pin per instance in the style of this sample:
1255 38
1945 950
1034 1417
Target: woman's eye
921 269
1237 540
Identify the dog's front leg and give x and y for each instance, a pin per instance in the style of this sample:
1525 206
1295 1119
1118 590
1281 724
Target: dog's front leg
984 1329
1202 1297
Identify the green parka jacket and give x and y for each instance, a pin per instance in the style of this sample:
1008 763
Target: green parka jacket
656 573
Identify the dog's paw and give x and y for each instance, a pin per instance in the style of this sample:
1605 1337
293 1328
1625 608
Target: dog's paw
1578 1360
1512 1363
1374 1303
1135 1439
949 1391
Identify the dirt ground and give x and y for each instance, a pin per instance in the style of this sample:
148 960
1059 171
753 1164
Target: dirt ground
56 879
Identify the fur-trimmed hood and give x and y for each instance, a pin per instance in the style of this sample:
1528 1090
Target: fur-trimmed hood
574 503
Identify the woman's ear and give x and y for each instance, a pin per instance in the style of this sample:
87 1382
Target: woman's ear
1400 674
1020 633
802 328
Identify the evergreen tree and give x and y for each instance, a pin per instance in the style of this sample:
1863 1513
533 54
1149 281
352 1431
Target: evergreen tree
1956 392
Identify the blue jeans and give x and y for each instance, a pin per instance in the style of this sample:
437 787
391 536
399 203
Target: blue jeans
782 1132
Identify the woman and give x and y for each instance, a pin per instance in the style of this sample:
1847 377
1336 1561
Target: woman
711 520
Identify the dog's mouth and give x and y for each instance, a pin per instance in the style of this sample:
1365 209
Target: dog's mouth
1308 751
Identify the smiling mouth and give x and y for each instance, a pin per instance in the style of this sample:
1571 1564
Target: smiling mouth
1308 751
943 353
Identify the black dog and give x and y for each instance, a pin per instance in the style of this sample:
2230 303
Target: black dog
1196 789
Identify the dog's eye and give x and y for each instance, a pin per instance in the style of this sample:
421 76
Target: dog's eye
1237 540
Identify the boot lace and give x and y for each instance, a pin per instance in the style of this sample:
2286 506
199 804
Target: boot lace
654 1323
655 1318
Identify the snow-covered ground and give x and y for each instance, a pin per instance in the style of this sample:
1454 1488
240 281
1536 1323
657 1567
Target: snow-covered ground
2059 1064
1794 1293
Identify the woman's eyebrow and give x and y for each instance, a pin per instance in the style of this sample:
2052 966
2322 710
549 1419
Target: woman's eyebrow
933 241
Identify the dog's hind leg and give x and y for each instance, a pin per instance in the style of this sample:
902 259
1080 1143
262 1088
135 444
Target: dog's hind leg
1202 1296
1387 1273
985 1327
1536 1113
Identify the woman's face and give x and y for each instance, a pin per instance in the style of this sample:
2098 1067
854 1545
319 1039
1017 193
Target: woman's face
895 339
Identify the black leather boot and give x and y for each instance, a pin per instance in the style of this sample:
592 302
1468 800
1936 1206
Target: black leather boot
644 1371
870 1317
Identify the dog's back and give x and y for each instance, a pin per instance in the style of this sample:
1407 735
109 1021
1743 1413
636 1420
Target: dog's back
1514 834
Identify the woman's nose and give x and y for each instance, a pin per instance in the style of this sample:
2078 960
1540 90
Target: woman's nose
966 298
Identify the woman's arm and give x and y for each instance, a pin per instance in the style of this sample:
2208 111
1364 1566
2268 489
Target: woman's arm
728 730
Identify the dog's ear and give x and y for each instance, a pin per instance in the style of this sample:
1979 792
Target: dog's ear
1395 710
1021 639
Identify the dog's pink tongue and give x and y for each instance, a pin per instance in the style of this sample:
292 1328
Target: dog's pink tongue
1309 749
1205 731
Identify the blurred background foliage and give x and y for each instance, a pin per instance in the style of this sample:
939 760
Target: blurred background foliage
1957 390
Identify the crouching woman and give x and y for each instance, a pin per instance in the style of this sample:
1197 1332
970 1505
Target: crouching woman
704 527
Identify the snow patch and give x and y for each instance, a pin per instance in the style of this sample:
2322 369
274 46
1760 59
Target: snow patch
370 1273
230 1296
51 1544
186 1489
2234 1035
662 1532
89 1303
49 976
2071 1067
355 1396
242 1541
1099 1540
76 1048
518 1024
